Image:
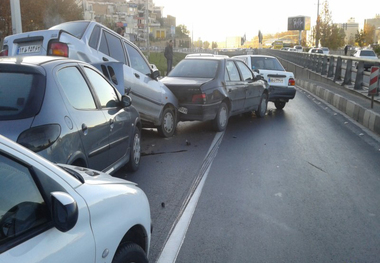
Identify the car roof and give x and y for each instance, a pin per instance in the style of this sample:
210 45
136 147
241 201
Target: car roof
33 60
258 56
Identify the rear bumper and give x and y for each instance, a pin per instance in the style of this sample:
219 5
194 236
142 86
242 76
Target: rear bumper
199 112
279 93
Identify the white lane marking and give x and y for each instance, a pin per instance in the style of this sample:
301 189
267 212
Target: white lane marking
177 237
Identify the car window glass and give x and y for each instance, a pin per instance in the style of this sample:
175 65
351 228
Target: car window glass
106 93
22 207
115 47
76 28
226 75
195 68
232 71
137 61
93 42
75 88
245 71
104 45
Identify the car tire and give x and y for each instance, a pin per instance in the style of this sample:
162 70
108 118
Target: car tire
130 252
262 109
279 105
221 120
168 123
134 159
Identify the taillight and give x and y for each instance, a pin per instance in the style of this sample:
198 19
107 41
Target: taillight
4 52
291 82
199 98
58 49
39 138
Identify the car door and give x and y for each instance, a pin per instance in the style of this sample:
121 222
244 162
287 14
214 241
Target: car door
26 227
147 93
253 90
89 120
120 123
236 88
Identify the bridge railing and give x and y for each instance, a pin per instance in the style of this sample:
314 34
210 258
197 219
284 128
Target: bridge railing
344 70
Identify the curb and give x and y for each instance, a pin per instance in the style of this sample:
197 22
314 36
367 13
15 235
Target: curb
365 117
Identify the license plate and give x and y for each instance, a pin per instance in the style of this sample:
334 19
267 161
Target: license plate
29 49
276 80
182 110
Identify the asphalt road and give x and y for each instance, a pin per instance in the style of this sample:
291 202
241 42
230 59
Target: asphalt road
300 185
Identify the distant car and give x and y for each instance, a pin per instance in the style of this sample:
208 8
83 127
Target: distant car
367 54
68 112
281 82
64 213
298 48
285 49
325 50
316 50
292 50
92 42
215 88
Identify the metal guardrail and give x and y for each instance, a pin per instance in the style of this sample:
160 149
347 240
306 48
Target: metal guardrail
345 70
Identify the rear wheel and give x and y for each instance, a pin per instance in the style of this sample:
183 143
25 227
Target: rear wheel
221 119
279 105
129 253
168 123
262 109
134 159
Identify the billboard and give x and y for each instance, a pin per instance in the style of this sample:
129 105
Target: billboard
299 23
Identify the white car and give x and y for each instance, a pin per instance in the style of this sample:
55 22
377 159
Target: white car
367 54
61 213
92 42
325 50
281 82
299 48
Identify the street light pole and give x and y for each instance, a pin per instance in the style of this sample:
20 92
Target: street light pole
16 16
317 27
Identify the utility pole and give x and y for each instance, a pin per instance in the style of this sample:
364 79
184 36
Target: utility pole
317 27
16 16
147 26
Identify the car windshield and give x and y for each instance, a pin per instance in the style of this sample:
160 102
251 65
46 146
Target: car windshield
74 28
267 63
24 91
195 68
367 53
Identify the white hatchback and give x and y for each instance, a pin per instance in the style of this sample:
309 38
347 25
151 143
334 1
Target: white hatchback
61 213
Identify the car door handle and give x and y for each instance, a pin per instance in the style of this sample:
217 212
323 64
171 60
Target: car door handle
105 59
84 129
112 124
137 75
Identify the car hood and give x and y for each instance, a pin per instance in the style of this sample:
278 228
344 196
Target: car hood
93 177
13 128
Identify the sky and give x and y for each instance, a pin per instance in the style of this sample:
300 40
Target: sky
215 20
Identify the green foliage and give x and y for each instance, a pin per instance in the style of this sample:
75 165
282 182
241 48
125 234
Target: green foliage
158 59
181 31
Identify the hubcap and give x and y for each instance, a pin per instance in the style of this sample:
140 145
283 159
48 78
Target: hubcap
223 116
168 122
264 105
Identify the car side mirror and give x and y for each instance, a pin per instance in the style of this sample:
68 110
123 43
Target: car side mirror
64 211
155 74
126 100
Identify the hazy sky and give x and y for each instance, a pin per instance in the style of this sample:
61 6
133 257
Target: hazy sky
213 20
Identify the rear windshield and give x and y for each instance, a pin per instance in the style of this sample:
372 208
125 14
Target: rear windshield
195 68
367 53
76 28
266 63
21 95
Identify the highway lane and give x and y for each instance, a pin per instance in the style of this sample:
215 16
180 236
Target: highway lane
300 185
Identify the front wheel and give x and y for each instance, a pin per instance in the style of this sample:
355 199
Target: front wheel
262 109
168 123
134 159
221 119
129 253
279 105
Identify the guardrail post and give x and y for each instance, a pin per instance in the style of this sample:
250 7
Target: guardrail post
324 65
330 72
347 75
338 69
359 76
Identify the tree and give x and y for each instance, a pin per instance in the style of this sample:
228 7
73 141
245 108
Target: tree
39 14
214 45
369 34
360 38
206 45
181 31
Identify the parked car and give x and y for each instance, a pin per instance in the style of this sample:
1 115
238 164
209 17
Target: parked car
215 88
62 213
281 82
298 48
92 42
68 112
292 50
367 54
285 49
316 50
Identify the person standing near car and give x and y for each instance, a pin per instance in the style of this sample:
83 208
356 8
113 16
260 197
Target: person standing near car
169 56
